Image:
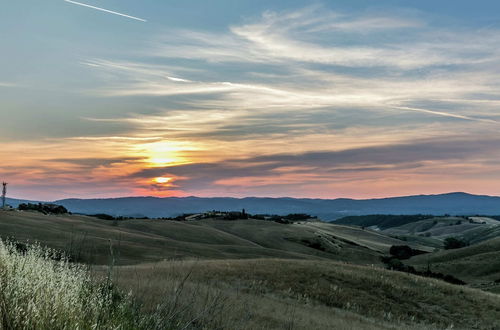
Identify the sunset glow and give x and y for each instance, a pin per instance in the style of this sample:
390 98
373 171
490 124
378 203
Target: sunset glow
260 99
162 180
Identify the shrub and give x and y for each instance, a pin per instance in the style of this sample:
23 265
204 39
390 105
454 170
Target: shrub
404 252
314 244
298 217
103 216
394 263
454 243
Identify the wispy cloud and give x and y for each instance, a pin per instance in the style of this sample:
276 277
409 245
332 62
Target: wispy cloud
318 36
300 60
105 10
7 84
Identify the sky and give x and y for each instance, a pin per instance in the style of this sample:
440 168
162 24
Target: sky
316 99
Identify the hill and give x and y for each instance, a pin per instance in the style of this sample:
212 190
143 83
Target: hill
382 221
314 294
478 264
135 241
326 209
427 229
247 274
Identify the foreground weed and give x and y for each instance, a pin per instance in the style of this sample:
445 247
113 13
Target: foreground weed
40 289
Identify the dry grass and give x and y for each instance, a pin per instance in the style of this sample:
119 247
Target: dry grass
220 293
274 294
228 305
38 292
39 289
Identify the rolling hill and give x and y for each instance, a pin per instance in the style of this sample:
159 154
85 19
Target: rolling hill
478 264
427 229
249 274
136 241
315 294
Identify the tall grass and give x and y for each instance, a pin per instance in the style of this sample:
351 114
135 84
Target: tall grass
39 289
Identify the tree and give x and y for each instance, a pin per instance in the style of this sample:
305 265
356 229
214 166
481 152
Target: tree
44 208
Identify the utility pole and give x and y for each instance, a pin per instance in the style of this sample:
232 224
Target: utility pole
4 193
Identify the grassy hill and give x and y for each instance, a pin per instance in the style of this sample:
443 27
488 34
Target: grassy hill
307 294
41 291
248 274
429 231
381 221
370 239
135 241
478 264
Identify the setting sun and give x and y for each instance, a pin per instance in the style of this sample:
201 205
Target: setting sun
162 180
164 153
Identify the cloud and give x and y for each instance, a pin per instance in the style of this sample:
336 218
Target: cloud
293 61
316 35
91 163
303 102
7 84
330 166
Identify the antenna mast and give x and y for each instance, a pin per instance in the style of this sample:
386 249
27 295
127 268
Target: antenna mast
4 193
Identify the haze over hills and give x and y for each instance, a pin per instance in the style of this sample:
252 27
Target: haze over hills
326 209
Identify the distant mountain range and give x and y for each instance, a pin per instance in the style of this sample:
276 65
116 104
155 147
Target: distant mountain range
326 209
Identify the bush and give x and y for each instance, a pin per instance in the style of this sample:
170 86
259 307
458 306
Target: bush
298 217
314 244
394 263
404 252
454 243
103 216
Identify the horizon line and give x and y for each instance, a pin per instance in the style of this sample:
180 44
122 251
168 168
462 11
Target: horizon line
262 197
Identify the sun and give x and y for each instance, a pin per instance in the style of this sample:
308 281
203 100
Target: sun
164 153
162 180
